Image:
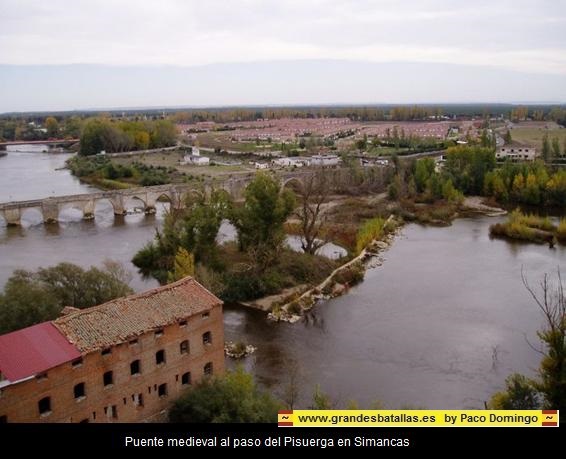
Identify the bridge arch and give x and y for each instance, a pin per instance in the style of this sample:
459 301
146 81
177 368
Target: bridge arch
129 200
31 216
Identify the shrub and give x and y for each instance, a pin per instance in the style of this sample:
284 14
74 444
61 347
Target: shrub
370 230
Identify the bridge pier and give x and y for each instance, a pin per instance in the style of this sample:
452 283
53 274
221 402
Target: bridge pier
117 202
12 217
50 211
88 210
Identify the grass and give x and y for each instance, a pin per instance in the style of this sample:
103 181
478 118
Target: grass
528 227
371 230
533 136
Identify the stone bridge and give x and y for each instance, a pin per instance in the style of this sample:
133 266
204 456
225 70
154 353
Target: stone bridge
175 194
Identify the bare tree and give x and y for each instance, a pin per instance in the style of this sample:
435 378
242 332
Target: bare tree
312 192
552 303
292 389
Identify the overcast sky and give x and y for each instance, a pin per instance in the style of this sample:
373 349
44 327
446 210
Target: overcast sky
481 41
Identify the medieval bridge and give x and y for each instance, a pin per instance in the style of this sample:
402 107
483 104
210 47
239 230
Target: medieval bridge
124 200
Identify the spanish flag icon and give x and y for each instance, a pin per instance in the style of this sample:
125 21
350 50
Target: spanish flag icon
549 418
285 418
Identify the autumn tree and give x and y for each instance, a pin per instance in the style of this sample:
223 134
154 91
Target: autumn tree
508 139
546 150
52 126
312 192
183 266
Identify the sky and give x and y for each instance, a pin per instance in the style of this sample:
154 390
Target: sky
78 54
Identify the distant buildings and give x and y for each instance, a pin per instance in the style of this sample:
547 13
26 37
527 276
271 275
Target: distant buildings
122 361
324 160
291 161
515 152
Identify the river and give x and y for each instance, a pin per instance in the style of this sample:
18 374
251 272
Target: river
440 324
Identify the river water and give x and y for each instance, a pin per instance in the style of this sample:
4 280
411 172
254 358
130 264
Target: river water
440 324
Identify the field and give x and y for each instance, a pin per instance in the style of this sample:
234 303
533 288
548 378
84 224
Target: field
533 135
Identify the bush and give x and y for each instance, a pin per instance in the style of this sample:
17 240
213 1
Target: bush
231 398
371 230
352 275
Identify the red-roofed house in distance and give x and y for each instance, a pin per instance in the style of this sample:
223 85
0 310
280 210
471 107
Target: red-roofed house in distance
123 361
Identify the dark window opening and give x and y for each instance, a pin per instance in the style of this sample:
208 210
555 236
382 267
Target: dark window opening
41 376
207 338
108 378
84 421
138 400
186 378
149 389
160 357
208 369
162 390
184 347
77 362
133 342
79 390
205 315
44 405
183 323
94 415
125 401
159 333
106 351
112 413
135 367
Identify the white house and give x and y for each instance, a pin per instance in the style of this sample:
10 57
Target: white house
324 160
515 152
196 159
294 161
261 165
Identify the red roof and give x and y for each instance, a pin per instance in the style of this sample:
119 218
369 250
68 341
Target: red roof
33 350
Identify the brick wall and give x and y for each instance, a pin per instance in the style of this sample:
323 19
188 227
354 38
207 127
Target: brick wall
19 402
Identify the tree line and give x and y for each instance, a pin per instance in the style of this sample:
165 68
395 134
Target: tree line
103 134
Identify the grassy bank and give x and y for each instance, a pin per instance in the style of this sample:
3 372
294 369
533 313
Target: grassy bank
531 228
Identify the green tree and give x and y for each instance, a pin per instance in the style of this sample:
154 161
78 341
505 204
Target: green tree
231 398
546 151
507 138
52 126
555 148
260 221
72 127
33 297
520 394
320 400
423 170
184 265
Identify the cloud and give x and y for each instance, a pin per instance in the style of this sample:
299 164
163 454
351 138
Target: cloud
517 35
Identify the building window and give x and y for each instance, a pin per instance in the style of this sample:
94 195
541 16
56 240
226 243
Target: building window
207 338
77 362
94 415
183 323
184 347
135 368
208 369
138 400
3 419
106 351
160 357
162 390
44 405
133 342
79 391
84 421
159 333
108 378
205 315
111 412
41 376
186 378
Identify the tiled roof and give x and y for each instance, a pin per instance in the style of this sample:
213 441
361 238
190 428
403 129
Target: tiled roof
121 319
34 350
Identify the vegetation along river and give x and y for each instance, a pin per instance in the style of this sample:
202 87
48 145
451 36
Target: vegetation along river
440 324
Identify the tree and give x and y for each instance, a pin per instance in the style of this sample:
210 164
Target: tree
555 148
233 397
260 221
320 400
423 170
33 297
520 394
312 193
551 301
507 137
184 265
546 151
52 126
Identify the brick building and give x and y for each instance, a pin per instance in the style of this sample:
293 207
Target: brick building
122 361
